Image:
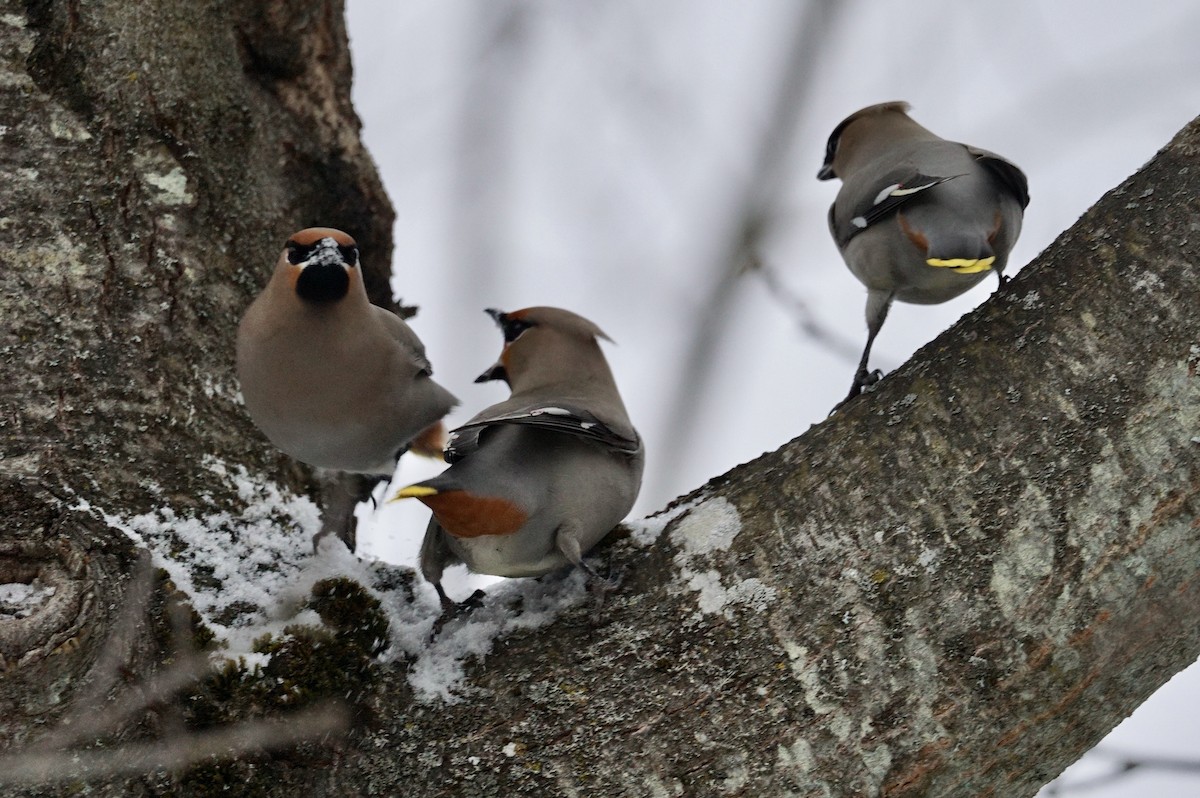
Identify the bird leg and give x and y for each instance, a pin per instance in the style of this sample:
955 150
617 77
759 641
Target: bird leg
862 377
599 587
567 540
597 583
878 303
341 492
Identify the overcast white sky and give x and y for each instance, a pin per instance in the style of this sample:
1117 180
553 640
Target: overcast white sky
589 156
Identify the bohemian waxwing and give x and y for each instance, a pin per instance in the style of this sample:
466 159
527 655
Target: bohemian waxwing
918 218
538 479
333 380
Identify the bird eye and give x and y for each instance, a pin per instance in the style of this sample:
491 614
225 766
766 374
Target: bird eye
297 253
513 328
349 255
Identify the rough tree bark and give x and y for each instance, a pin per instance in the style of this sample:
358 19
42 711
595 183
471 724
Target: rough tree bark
154 155
954 587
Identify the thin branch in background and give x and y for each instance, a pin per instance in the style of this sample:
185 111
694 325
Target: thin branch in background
83 727
805 319
89 711
810 30
1122 767
484 147
103 708
176 753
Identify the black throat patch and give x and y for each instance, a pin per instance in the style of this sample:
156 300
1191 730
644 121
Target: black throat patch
324 282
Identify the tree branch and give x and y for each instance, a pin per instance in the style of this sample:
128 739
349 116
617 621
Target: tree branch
954 587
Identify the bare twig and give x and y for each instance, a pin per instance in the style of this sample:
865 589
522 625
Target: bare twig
176 753
104 708
88 710
1123 766
808 322
483 165
759 194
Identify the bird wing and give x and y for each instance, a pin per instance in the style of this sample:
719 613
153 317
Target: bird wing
404 335
565 417
1004 170
883 198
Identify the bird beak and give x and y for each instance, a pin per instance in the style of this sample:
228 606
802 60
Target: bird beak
496 372
413 492
826 172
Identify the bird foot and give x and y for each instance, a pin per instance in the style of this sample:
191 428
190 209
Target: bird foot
346 533
867 380
600 586
864 381
453 610
603 584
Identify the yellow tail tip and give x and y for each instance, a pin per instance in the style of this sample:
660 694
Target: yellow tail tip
963 265
413 492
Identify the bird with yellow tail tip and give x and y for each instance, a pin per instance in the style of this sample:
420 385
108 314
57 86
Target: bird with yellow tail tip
918 218
537 480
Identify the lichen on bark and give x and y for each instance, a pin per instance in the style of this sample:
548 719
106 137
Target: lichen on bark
954 586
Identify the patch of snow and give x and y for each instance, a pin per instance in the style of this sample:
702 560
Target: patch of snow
68 130
20 600
1148 282
928 559
647 530
246 574
251 573
716 597
439 670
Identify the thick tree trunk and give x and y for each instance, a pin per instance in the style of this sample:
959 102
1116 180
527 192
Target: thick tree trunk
154 157
953 587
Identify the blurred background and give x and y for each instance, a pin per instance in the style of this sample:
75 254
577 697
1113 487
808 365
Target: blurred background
652 166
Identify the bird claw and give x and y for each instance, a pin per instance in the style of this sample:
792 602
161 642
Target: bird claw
870 378
347 534
471 602
453 610
864 381
604 584
600 586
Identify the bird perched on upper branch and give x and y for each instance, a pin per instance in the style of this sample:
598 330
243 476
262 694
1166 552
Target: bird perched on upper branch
918 218
538 479
331 379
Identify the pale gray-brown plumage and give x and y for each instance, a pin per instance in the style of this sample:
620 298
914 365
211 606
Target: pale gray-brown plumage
537 480
918 218
331 379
